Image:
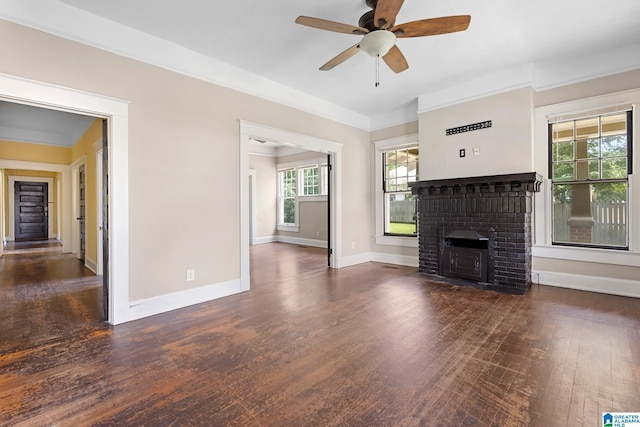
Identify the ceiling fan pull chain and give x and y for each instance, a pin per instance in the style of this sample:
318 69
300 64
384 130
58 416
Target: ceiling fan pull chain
377 70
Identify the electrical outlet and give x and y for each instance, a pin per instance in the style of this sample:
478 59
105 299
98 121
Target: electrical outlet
191 275
317 233
353 245
476 151
463 152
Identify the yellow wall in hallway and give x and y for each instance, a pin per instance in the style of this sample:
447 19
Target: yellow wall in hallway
84 147
12 150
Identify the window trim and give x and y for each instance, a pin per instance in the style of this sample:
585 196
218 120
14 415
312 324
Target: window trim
543 219
628 112
381 238
285 226
301 180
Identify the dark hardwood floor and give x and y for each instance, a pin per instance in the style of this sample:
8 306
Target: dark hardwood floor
367 345
45 295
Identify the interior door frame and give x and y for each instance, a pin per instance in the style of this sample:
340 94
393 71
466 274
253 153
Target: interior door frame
12 217
249 130
30 92
252 207
99 180
75 208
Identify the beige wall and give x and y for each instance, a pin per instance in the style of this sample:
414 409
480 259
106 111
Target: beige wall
504 148
602 86
394 131
184 158
299 157
266 194
312 221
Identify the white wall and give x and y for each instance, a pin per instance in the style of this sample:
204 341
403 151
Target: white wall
266 192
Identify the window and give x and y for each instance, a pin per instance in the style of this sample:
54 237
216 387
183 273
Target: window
590 164
287 197
309 181
303 181
400 167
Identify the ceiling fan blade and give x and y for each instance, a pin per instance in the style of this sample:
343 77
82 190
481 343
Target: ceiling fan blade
386 11
340 58
432 26
324 24
395 60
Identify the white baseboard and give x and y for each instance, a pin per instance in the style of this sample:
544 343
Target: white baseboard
347 261
164 303
409 261
301 241
91 264
265 239
603 285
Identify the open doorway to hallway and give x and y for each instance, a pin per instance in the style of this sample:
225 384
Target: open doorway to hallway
61 276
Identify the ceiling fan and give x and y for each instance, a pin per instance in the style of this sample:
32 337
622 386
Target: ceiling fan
380 32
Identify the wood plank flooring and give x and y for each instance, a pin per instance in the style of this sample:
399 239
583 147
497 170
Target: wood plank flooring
45 295
365 345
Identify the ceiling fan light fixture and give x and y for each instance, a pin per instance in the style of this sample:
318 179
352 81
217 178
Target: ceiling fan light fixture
378 43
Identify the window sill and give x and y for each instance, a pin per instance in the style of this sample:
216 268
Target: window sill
595 255
407 241
290 228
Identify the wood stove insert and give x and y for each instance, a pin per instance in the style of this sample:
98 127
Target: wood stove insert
465 255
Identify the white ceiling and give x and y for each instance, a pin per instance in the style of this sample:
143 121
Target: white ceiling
255 46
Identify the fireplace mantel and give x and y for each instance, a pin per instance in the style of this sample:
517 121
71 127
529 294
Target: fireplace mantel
528 181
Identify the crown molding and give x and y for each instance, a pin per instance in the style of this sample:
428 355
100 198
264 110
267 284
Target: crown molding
540 76
406 114
553 74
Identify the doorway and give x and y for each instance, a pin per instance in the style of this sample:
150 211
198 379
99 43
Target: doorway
82 201
333 149
71 100
31 206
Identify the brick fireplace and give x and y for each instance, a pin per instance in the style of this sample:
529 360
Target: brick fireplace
477 231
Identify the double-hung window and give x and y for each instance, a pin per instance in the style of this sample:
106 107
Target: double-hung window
400 167
590 162
396 165
287 197
309 181
304 181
